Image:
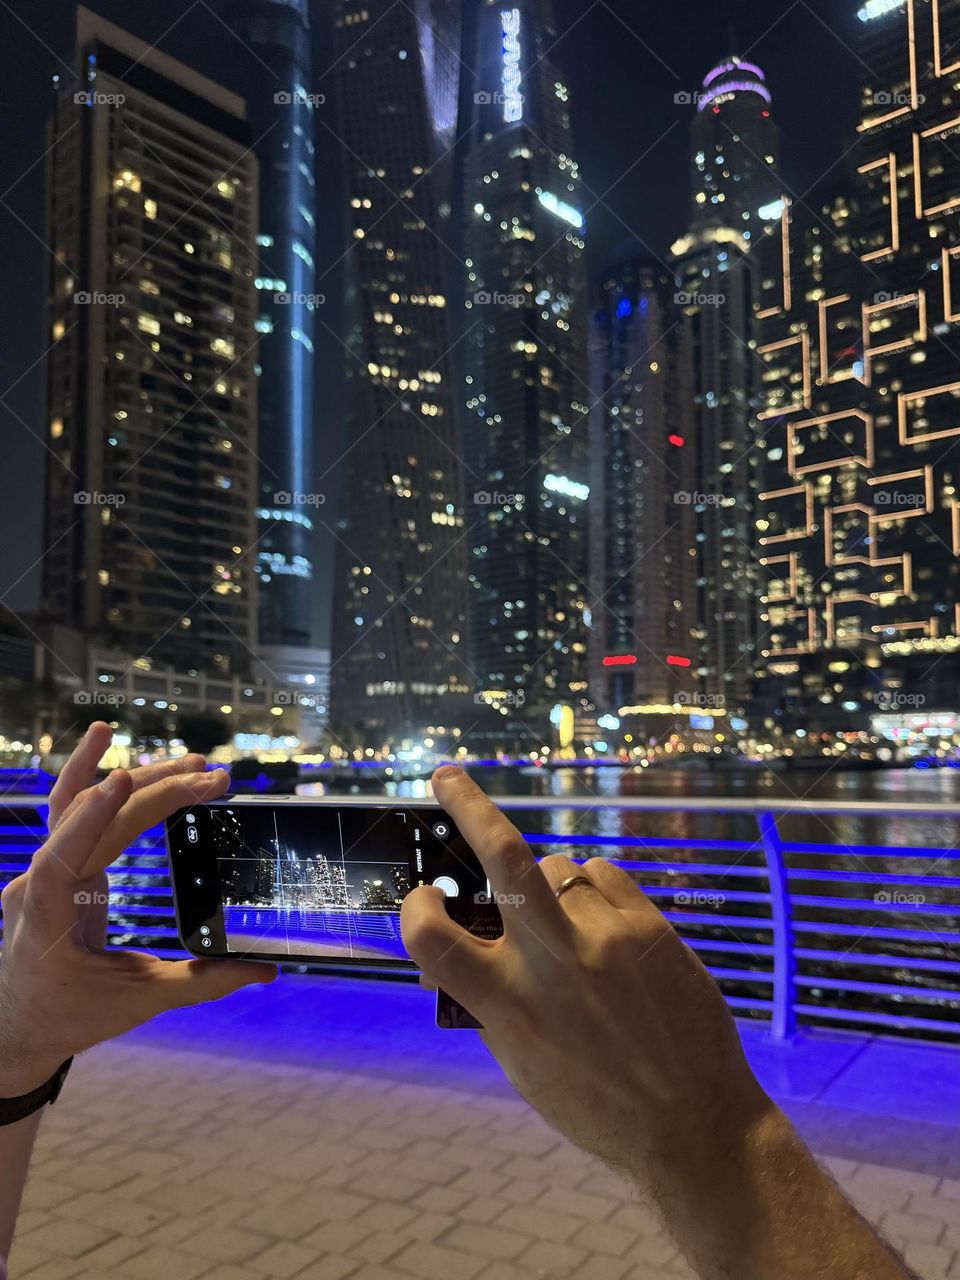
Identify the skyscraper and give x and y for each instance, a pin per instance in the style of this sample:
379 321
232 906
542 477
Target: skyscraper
733 145
150 486
859 523
643 476
281 110
527 395
400 663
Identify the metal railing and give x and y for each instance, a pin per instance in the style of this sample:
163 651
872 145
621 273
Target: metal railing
834 931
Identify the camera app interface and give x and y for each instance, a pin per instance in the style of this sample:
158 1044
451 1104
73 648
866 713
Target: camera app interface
319 881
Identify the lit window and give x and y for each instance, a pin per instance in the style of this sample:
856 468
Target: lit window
148 324
150 209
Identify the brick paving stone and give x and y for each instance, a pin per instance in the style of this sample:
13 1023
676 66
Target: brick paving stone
157 1263
433 1262
428 1226
538 1222
26 1258
283 1259
65 1236
330 1267
605 1239
600 1266
377 1246
484 1242
930 1261
910 1226
552 1258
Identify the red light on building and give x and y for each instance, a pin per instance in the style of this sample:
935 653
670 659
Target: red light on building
620 660
677 440
765 114
674 660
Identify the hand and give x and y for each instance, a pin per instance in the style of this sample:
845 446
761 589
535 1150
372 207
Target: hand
599 1014
61 991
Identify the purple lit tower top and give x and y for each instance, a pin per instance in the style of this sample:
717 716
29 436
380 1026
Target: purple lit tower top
734 144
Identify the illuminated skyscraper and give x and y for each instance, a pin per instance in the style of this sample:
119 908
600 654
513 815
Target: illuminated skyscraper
150 487
859 522
526 388
281 110
400 623
643 476
733 143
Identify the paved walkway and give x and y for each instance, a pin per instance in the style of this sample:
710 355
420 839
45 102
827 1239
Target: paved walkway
322 1129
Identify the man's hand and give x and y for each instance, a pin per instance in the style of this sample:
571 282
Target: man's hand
60 990
616 1033
599 1014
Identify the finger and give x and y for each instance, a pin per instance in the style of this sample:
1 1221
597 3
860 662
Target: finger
58 866
147 808
619 888
504 855
150 773
448 955
80 771
179 983
580 900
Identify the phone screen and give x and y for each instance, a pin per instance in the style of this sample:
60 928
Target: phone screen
304 881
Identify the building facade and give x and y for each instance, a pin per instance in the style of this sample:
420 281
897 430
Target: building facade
734 191
527 398
859 523
280 110
400 666
150 484
643 477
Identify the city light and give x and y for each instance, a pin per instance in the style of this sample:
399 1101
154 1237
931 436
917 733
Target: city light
560 207
512 98
877 8
569 488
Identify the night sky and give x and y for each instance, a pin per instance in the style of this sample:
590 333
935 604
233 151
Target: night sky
624 61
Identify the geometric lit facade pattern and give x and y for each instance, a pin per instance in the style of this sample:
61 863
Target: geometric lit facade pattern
859 309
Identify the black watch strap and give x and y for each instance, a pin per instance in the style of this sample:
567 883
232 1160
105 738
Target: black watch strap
14 1109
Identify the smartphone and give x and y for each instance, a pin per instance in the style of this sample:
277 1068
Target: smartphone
300 881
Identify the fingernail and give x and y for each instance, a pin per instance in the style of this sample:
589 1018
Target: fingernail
111 782
446 771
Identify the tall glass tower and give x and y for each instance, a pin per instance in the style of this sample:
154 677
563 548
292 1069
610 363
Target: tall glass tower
280 109
400 668
734 197
526 394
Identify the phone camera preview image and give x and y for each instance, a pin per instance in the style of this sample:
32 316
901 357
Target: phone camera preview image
312 882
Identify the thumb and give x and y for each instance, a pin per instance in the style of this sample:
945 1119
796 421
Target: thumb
180 983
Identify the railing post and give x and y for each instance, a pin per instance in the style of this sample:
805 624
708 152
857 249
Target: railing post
784 1019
